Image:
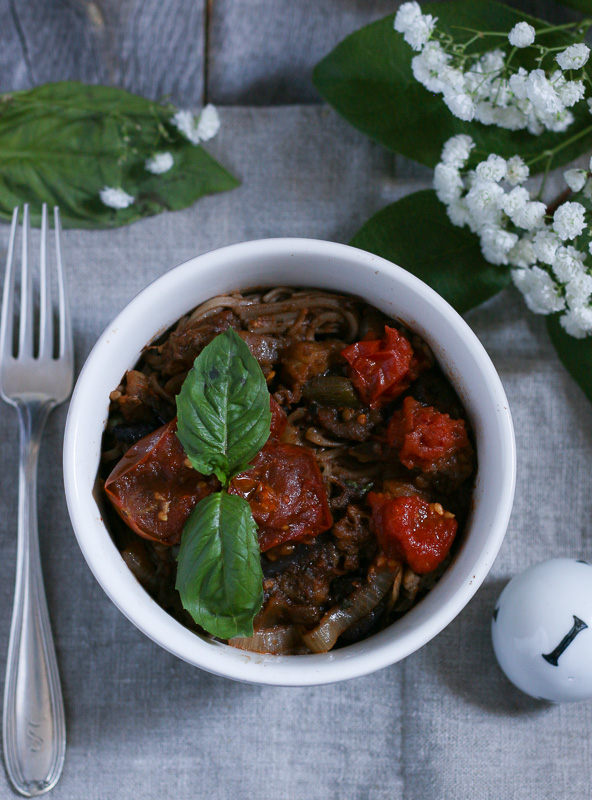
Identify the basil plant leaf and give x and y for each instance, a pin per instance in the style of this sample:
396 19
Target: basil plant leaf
223 408
61 143
368 79
575 354
449 259
219 576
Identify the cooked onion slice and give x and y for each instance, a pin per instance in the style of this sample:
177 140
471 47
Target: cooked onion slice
361 602
279 640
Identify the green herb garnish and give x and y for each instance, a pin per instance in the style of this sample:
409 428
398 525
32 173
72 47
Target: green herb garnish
223 420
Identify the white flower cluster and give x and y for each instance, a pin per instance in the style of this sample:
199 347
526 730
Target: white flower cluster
485 87
196 129
549 270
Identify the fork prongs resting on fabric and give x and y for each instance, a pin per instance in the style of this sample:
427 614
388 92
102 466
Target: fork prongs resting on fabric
36 374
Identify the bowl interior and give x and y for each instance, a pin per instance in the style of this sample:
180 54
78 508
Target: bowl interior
295 262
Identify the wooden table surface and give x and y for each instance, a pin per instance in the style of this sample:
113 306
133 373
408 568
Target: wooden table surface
229 52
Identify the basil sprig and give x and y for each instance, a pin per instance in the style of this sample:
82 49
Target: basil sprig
223 408
223 420
219 573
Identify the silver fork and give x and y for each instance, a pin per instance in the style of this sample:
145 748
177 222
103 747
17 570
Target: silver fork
34 381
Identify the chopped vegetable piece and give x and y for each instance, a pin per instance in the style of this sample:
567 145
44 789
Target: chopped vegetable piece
420 533
382 369
286 493
426 438
331 390
154 488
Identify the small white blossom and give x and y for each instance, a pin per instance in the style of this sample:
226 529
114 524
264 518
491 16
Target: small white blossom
159 163
578 290
427 67
567 263
518 84
208 124
420 30
510 118
447 183
545 244
530 216
494 169
184 121
496 243
198 130
406 16
459 214
514 201
540 291
483 201
575 179
460 104
521 35
569 220
570 92
577 322
457 149
517 171
541 93
522 254
115 198
574 57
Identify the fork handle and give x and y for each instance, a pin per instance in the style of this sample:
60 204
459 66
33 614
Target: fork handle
34 727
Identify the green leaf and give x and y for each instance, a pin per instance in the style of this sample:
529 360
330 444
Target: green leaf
61 143
219 573
576 354
585 6
223 408
367 78
416 234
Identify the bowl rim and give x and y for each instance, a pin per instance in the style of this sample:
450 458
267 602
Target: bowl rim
136 604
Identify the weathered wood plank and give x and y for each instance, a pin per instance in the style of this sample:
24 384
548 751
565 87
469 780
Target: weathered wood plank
263 53
146 46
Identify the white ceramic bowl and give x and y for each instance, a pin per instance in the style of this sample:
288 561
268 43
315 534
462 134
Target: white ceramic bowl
295 262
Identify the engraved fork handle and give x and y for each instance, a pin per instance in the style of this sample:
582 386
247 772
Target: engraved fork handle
34 729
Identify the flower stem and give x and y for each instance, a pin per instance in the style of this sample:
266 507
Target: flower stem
553 151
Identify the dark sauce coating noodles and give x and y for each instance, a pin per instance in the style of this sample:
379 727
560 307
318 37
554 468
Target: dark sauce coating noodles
382 422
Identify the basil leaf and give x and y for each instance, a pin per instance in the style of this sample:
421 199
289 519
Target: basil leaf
367 78
575 354
449 259
223 408
219 573
61 143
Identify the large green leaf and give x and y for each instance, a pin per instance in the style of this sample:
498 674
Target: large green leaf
585 6
576 354
219 576
368 79
416 234
223 408
61 143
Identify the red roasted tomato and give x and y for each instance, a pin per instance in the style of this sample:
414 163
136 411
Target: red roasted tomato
153 487
381 369
426 438
279 420
285 491
419 533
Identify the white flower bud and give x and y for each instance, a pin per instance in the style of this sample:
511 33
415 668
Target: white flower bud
574 57
522 35
575 179
115 198
569 220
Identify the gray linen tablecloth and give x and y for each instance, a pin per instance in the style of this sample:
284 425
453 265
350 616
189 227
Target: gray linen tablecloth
444 724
